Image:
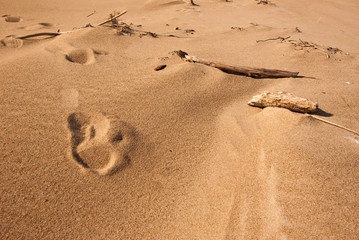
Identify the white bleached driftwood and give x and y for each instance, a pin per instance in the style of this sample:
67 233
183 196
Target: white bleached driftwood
284 100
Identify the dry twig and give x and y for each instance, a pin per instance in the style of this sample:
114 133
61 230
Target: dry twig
305 44
112 18
91 13
333 124
272 39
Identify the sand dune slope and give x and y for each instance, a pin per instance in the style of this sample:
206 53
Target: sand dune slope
96 144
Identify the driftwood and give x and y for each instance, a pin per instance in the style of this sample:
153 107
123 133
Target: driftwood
284 100
249 71
288 101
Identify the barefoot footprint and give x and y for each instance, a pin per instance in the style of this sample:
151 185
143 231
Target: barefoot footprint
38 26
84 56
12 42
12 19
97 130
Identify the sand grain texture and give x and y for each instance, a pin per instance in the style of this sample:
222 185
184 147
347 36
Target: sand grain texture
197 162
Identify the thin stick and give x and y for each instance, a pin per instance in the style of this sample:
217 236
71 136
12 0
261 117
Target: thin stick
249 71
54 34
40 34
110 19
333 124
91 14
272 39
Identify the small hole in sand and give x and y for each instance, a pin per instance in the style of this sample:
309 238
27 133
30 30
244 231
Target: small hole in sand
92 132
117 138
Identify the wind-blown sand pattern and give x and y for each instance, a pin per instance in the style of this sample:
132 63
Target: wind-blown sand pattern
96 144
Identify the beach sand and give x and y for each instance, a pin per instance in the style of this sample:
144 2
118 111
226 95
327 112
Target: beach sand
96 144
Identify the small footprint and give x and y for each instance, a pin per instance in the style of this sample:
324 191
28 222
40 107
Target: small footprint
12 42
83 56
38 26
9 18
92 131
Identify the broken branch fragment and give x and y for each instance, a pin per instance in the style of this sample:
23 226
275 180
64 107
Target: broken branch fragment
160 67
284 100
248 71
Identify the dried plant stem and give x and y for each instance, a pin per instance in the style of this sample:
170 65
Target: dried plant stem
91 13
54 34
110 19
333 124
272 39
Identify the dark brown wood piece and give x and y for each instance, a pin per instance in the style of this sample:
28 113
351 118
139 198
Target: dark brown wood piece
160 67
241 70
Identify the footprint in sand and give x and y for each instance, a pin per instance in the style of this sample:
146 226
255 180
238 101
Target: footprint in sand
83 56
12 42
99 144
38 26
13 19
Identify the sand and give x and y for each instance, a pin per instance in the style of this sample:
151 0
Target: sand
96 144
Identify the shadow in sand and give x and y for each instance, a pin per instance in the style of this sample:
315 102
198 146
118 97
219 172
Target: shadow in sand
322 113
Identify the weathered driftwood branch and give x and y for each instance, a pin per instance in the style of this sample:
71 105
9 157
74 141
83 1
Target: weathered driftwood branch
284 100
110 19
288 101
249 71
